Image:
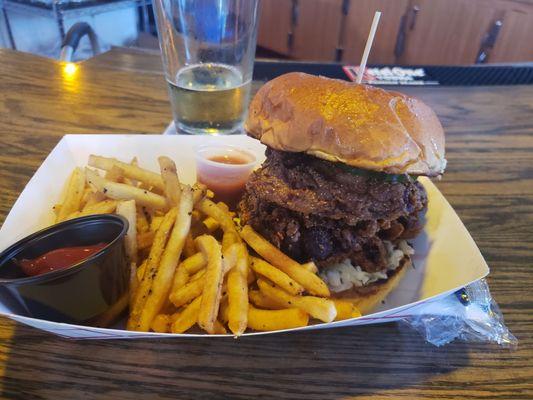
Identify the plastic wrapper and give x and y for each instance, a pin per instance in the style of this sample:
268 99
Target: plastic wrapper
470 315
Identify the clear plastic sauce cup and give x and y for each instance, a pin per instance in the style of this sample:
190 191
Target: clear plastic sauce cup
224 169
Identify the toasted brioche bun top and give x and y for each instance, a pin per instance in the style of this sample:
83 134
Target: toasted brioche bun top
359 125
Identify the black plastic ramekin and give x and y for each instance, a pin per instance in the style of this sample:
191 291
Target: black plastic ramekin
81 294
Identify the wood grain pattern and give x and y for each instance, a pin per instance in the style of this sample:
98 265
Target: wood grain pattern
489 182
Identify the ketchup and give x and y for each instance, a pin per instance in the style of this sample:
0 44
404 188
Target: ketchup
58 259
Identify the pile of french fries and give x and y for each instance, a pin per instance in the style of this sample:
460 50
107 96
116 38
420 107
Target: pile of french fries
193 267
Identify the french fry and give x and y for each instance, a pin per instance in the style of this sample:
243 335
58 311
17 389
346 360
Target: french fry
103 207
345 310
188 292
130 171
316 307
223 312
150 268
228 239
212 290
219 329
162 282
262 301
188 317
87 192
113 312
311 282
141 269
155 222
92 199
73 196
128 210
149 178
212 210
274 320
190 248
115 174
161 323
170 179
194 263
121 191
134 283
280 278
311 267
211 224
237 288
142 220
145 240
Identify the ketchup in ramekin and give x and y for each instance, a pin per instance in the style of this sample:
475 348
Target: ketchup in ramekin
224 169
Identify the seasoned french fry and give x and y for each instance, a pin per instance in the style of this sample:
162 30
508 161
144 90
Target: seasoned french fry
73 196
113 312
92 199
128 210
281 279
228 239
223 312
156 221
219 328
311 267
194 263
121 191
142 221
134 283
161 323
87 192
211 224
149 178
141 269
212 210
345 310
237 288
170 179
188 317
316 307
104 207
251 276
262 301
149 271
311 282
188 292
115 174
181 277
274 320
190 248
162 281
129 171
223 206
145 240
212 290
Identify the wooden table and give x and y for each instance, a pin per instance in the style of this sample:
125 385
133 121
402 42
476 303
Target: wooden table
489 182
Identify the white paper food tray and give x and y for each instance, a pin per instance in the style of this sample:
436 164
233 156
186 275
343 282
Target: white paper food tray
446 258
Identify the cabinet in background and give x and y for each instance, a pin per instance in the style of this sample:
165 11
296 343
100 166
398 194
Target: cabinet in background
444 32
515 39
275 25
358 21
316 29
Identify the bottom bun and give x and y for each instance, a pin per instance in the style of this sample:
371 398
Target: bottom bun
367 298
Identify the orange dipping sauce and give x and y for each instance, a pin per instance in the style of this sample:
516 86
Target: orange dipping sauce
58 259
224 169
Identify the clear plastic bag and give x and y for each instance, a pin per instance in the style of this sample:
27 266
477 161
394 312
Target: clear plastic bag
470 314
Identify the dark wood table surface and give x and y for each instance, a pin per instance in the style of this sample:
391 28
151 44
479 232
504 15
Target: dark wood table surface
489 182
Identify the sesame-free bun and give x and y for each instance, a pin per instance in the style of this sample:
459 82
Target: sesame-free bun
359 125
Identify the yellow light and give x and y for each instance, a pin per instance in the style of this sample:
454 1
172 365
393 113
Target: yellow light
70 69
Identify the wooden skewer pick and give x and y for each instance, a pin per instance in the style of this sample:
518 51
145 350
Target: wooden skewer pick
368 46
